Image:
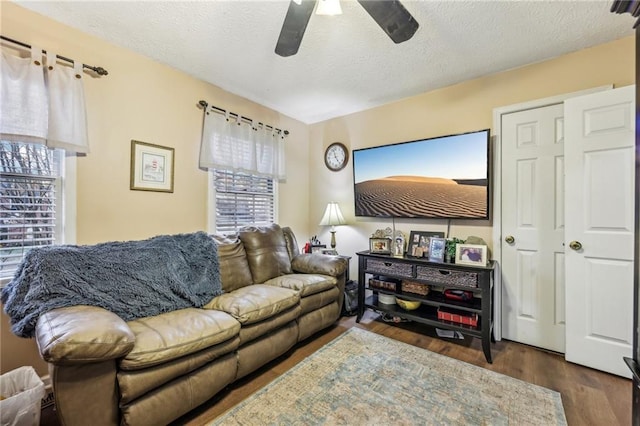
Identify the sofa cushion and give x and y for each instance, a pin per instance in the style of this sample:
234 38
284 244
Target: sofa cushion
255 302
292 243
234 268
266 252
134 383
171 335
318 300
306 284
249 332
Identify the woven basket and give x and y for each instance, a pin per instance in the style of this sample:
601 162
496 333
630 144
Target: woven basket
390 268
414 287
448 277
382 285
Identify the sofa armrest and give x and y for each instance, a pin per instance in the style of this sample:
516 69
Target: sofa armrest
82 334
315 263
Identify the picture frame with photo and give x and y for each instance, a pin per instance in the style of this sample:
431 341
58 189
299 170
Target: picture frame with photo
380 245
151 167
399 244
471 254
332 252
437 249
419 242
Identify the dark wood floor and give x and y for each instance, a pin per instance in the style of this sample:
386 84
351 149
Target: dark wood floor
589 397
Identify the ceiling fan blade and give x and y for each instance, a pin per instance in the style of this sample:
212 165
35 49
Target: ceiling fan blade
392 17
295 22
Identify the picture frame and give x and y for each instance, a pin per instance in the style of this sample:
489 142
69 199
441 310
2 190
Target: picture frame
152 167
419 242
471 254
332 252
399 244
380 245
437 249
318 248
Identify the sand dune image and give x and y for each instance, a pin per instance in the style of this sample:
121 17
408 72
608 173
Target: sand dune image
417 196
423 179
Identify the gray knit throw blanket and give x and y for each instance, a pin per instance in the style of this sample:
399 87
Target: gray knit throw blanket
132 279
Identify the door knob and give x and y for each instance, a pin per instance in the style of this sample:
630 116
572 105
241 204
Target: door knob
575 245
509 239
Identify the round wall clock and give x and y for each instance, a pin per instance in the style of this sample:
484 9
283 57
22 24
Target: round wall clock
336 156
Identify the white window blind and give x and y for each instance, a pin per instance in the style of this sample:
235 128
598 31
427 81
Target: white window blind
29 201
242 199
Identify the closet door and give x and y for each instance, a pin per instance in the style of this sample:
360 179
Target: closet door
533 227
599 235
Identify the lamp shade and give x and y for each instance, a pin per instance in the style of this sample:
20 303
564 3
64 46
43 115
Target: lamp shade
332 215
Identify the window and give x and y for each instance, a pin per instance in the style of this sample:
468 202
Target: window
240 199
31 182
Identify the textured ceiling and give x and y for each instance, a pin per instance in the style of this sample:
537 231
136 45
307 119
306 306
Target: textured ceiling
345 63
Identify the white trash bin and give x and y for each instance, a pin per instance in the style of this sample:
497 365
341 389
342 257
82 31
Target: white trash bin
22 392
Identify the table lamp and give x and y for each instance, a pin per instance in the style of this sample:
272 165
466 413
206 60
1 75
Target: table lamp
332 216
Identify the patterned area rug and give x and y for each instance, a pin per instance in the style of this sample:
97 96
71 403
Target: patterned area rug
362 378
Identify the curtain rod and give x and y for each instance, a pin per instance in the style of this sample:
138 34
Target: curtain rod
204 105
97 70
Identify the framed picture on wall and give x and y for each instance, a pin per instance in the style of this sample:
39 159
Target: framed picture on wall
151 167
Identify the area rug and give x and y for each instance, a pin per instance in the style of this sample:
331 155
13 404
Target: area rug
362 378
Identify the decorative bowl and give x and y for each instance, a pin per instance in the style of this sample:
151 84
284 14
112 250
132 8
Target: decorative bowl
387 299
408 305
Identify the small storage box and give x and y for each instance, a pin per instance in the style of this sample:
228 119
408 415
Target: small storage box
461 317
448 276
414 287
382 285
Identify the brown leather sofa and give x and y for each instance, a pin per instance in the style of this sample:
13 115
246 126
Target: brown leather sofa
151 371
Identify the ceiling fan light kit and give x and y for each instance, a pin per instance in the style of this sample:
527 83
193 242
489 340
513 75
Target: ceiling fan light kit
329 8
390 15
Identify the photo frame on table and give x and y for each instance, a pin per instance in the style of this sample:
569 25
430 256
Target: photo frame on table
332 252
419 242
437 249
380 245
471 254
399 244
318 248
151 167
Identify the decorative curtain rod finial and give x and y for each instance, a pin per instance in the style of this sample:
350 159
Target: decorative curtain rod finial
98 70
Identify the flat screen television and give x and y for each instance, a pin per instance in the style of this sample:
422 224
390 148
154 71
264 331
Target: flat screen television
444 177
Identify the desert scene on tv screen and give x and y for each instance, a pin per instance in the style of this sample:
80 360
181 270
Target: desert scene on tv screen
418 196
443 177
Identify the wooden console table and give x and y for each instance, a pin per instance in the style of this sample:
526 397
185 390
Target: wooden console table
408 271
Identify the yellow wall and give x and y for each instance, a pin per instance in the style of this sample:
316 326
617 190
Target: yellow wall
144 100
464 107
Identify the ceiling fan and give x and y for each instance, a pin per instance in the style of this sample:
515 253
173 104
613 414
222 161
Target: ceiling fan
390 15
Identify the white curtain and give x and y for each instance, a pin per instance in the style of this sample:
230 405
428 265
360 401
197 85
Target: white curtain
42 104
231 144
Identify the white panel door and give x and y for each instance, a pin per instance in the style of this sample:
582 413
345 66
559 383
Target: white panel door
599 236
533 227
